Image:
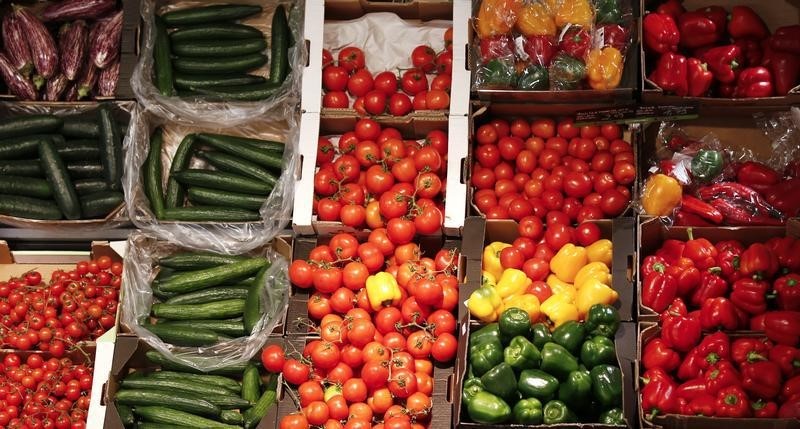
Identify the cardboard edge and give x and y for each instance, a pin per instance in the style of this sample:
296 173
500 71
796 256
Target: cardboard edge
311 94
623 239
455 209
304 185
460 79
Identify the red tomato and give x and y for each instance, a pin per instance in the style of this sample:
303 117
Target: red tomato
543 128
386 82
557 236
442 82
327 58
577 185
375 102
540 289
486 134
444 62
567 129
613 202
610 131
590 131
624 173
536 269
437 99
334 78
531 227
502 127
510 147
511 257
519 208
587 233
525 245
367 129
335 100
413 82
352 58
399 104
423 58
556 217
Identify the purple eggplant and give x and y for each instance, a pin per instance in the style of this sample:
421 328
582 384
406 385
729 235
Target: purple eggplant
88 80
41 43
104 41
68 10
18 84
72 44
107 82
55 87
16 46
71 94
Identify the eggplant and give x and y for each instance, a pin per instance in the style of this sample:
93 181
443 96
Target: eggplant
88 80
104 41
16 45
18 84
55 87
41 43
107 82
72 44
68 10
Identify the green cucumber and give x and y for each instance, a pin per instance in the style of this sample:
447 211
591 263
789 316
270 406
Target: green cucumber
211 294
126 415
234 164
29 124
165 363
166 415
209 14
149 425
26 186
25 146
251 384
182 401
252 308
202 65
187 81
279 51
184 336
80 127
174 195
21 167
264 158
221 31
215 48
100 204
210 214
206 380
200 196
257 412
233 328
198 260
56 173
86 170
168 383
78 150
162 63
110 148
90 186
211 310
252 92
231 417
189 281
29 208
267 145
153 174
222 181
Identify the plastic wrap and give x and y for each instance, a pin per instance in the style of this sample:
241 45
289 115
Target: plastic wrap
141 269
221 237
122 111
783 129
195 109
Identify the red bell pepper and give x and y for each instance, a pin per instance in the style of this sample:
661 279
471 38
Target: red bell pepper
781 247
657 354
785 68
698 206
717 313
687 279
495 47
661 33
726 90
732 245
700 79
576 42
684 218
691 389
540 49
701 251
757 323
671 250
752 53
714 348
732 402
755 173
719 16
792 169
782 327
679 330
749 350
653 263
787 358
728 261
658 394
711 286
696 30
790 409
658 291
787 291
745 23
761 379
673 8
754 82
758 261
719 376
750 295
724 62
702 405
738 211
614 35
791 388
671 74
785 196
786 39
692 365
764 410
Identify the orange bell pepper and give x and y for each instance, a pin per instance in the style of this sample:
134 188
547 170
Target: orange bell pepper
497 17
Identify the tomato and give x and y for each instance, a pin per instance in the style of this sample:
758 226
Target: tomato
325 151
375 373
488 155
589 212
552 200
380 238
624 157
419 344
428 185
375 102
310 391
590 131
360 83
587 233
496 212
549 158
619 146
428 159
272 357
420 101
361 332
437 99
442 82
423 58
624 173
387 134
403 383
543 128
555 217
334 78
610 131
354 390
316 413
399 104
346 168
351 193
393 205
352 58
386 82
486 134
510 147
295 372
327 58
540 289
519 208
438 140
325 182
592 199
413 82
536 268
613 202
511 257
293 421
582 148
603 182
577 185
401 231
444 62
444 347
504 170
553 182
318 306
557 236
567 129
337 406
328 209
358 106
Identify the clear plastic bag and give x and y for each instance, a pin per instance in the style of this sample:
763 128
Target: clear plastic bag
689 159
197 110
141 261
783 129
222 237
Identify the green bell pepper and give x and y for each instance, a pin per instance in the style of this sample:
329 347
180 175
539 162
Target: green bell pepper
501 381
534 78
540 333
535 383
485 334
497 73
598 350
485 356
558 412
558 361
470 388
706 165
607 385
613 416
607 12
522 354
575 390
488 409
566 72
514 322
528 412
570 335
602 319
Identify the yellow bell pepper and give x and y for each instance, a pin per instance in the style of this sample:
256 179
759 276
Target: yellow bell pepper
593 270
535 20
491 258
557 286
382 289
661 195
593 292
566 263
487 279
485 304
600 251
512 282
527 302
604 67
575 12
496 17
559 308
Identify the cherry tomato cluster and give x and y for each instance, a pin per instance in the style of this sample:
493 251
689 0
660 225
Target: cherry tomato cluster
39 392
378 94
535 168
372 177
76 305
371 363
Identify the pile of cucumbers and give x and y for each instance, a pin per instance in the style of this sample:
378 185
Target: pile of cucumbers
179 396
246 171
202 51
206 298
61 167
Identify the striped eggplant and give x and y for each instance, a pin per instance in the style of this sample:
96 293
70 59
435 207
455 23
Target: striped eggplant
18 84
16 45
104 41
41 43
107 82
88 80
68 10
72 44
71 94
56 86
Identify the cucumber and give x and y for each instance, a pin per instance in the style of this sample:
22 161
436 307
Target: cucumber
29 124
198 260
161 294
201 279
149 425
165 383
221 31
229 402
211 310
187 81
25 146
63 190
267 145
90 186
78 150
174 195
234 164
166 415
110 148
251 384
215 48
260 157
26 186
210 295
206 380
80 127
100 204
231 417
279 51
210 214
234 328
184 336
252 92
22 167
182 401
257 412
252 307
162 64
200 196
222 181
157 358
29 208
153 174
237 64
85 170
209 14
126 415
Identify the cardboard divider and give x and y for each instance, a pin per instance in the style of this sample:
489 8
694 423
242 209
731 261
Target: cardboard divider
460 83
310 96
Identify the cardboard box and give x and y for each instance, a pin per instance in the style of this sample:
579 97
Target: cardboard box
130 22
775 13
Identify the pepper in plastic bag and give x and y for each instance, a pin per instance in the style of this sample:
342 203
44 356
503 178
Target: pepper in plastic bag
566 72
604 68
